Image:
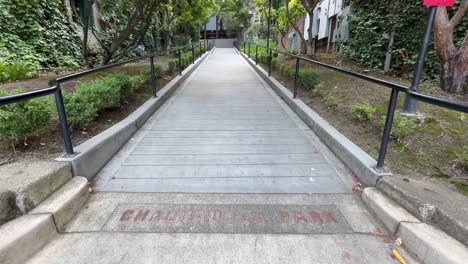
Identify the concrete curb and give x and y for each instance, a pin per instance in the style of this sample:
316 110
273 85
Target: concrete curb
24 236
65 202
97 151
430 245
423 201
349 153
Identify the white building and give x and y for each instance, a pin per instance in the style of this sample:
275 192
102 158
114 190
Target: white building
329 24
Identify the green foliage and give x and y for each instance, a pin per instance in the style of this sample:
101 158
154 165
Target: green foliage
463 157
362 111
287 70
462 187
296 11
20 120
370 27
402 125
16 70
38 33
317 92
90 97
308 78
172 65
330 101
144 76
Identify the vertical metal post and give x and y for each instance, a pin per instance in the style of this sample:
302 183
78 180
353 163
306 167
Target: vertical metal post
269 24
244 48
193 55
153 77
388 128
63 120
256 54
248 54
180 62
199 46
271 63
411 104
296 77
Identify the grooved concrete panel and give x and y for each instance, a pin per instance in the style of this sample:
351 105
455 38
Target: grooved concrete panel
223 131
233 218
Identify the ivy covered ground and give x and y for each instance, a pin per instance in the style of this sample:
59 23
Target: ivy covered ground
433 147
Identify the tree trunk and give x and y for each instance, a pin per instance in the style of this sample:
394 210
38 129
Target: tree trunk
453 74
453 60
309 48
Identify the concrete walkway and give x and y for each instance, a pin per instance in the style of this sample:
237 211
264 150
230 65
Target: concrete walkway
224 132
224 172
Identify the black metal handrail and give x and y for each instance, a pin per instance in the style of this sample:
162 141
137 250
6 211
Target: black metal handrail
56 88
396 88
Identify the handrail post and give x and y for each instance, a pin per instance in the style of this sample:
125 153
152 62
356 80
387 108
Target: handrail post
248 54
180 62
153 77
271 63
63 120
388 128
256 54
193 55
296 77
199 46
244 48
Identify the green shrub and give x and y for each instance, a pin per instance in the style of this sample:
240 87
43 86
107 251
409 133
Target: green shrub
144 76
463 157
402 125
317 91
90 97
17 71
287 70
79 110
362 111
274 63
20 120
330 101
308 78
172 66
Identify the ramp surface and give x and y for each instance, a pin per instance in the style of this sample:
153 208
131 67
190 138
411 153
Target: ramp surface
224 131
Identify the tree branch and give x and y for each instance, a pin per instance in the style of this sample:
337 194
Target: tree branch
459 15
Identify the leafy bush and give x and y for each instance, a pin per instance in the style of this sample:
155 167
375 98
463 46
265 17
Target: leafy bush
402 125
16 71
90 97
463 157
330 101
172 65
308 78
20 120
287 70
144 75
317 91
362 111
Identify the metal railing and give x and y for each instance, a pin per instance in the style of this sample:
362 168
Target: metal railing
396 88
55 85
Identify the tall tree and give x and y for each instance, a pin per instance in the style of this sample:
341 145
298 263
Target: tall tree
453 59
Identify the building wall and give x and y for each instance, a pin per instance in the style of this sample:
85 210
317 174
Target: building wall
291 39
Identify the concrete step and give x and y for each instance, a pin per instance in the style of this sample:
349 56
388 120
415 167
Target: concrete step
65 202
24 185
22 237
429 244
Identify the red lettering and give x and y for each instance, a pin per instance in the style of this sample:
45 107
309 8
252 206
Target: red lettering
283 216
315 218
214 217
141 216
199 217
244 217
171 217
229 217
329 218
126 215
156 216
260 218
187 217
300 217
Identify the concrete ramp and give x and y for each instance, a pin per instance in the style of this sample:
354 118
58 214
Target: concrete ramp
224 43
